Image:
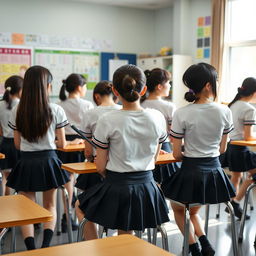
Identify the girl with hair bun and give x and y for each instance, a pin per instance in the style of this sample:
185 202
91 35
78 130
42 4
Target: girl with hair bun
104 99
158 87
128 142
239 158
75 108
13 88
204 126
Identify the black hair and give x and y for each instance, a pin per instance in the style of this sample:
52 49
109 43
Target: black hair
12 86
129 80
70 84
247 89
102 88
196 77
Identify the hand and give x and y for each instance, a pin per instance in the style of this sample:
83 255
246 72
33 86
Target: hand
76 141
162 152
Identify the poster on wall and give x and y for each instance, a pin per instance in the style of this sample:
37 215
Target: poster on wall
203 37
13 61
62 63
114 65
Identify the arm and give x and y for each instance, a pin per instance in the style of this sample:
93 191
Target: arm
61 139
248 132
101 160
88 151
157 151
177 153
223 143
1 130
17 139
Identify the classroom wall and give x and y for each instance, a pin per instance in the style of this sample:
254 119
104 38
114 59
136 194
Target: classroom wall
130 30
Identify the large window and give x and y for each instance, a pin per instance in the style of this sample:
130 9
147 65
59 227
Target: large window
240 46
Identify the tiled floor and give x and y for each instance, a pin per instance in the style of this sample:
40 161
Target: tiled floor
219 235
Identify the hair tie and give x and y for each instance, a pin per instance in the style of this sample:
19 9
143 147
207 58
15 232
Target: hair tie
8 88
192 91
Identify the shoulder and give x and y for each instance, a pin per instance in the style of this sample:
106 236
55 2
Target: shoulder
86 103
56 109
154 114
2 104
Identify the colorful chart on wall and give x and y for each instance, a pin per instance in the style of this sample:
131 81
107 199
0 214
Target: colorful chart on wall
13 61
61 63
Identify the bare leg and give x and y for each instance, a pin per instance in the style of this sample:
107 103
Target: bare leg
70 188
235 179
28 230
90 230
179 218
197 221
6 190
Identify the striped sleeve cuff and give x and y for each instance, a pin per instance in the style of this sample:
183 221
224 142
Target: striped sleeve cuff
176 135
169 121
228 130
63 124
249 122
99 143
163 138
87 134
13 127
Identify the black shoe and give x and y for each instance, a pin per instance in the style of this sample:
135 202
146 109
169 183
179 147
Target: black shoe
207 251
194 250
237 210
64 226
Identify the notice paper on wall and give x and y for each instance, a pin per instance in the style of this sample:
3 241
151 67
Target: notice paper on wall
114 65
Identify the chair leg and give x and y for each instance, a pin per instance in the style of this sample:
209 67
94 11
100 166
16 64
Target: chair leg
233 228
149 234
251 202
246 199
154 236
100 231
218 211
69 214
58 213
207 211
186 231
13 243
2 234
138 233
165 243
81 229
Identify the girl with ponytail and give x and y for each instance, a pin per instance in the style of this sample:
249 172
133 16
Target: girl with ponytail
13 88
239 158
128 142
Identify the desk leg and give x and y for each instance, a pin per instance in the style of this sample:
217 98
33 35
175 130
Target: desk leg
58 212
207 211
13 243
2 233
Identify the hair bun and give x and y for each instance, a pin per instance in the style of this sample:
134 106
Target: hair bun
190 96
240 90
147 73
129 84
64 81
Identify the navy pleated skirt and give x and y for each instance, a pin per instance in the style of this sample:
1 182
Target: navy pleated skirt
88 180
125 201
37 171
240 158
200 180
12 155
165 171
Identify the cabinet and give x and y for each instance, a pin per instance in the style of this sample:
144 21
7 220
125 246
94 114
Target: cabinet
176 64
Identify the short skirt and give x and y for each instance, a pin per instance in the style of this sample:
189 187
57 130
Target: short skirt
240 158
37 171
125 201
200 180
88 180
12 155
165 171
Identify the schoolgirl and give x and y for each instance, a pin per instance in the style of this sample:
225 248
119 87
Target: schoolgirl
204 126
239 158
103 98
36 123
13 88
128 142
75 108
158 87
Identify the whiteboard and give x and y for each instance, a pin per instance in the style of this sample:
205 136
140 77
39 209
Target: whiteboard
114 65
62 63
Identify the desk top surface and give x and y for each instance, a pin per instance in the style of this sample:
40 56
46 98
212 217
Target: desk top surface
87 167
73 148
112 246
2 156
251 143
17 210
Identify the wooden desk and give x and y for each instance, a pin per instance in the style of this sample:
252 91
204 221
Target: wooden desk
73 148
87 167
2 156
18 210
112 246
250 143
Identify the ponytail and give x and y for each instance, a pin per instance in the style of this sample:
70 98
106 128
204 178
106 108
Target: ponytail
7 98
62 94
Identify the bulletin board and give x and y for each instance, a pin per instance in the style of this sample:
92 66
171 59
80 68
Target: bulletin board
13 61
63 62
105 64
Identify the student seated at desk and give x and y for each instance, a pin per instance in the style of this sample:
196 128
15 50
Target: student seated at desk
104 99
128 142
239 158
36 123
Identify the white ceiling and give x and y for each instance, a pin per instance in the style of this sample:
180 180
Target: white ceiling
144 4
